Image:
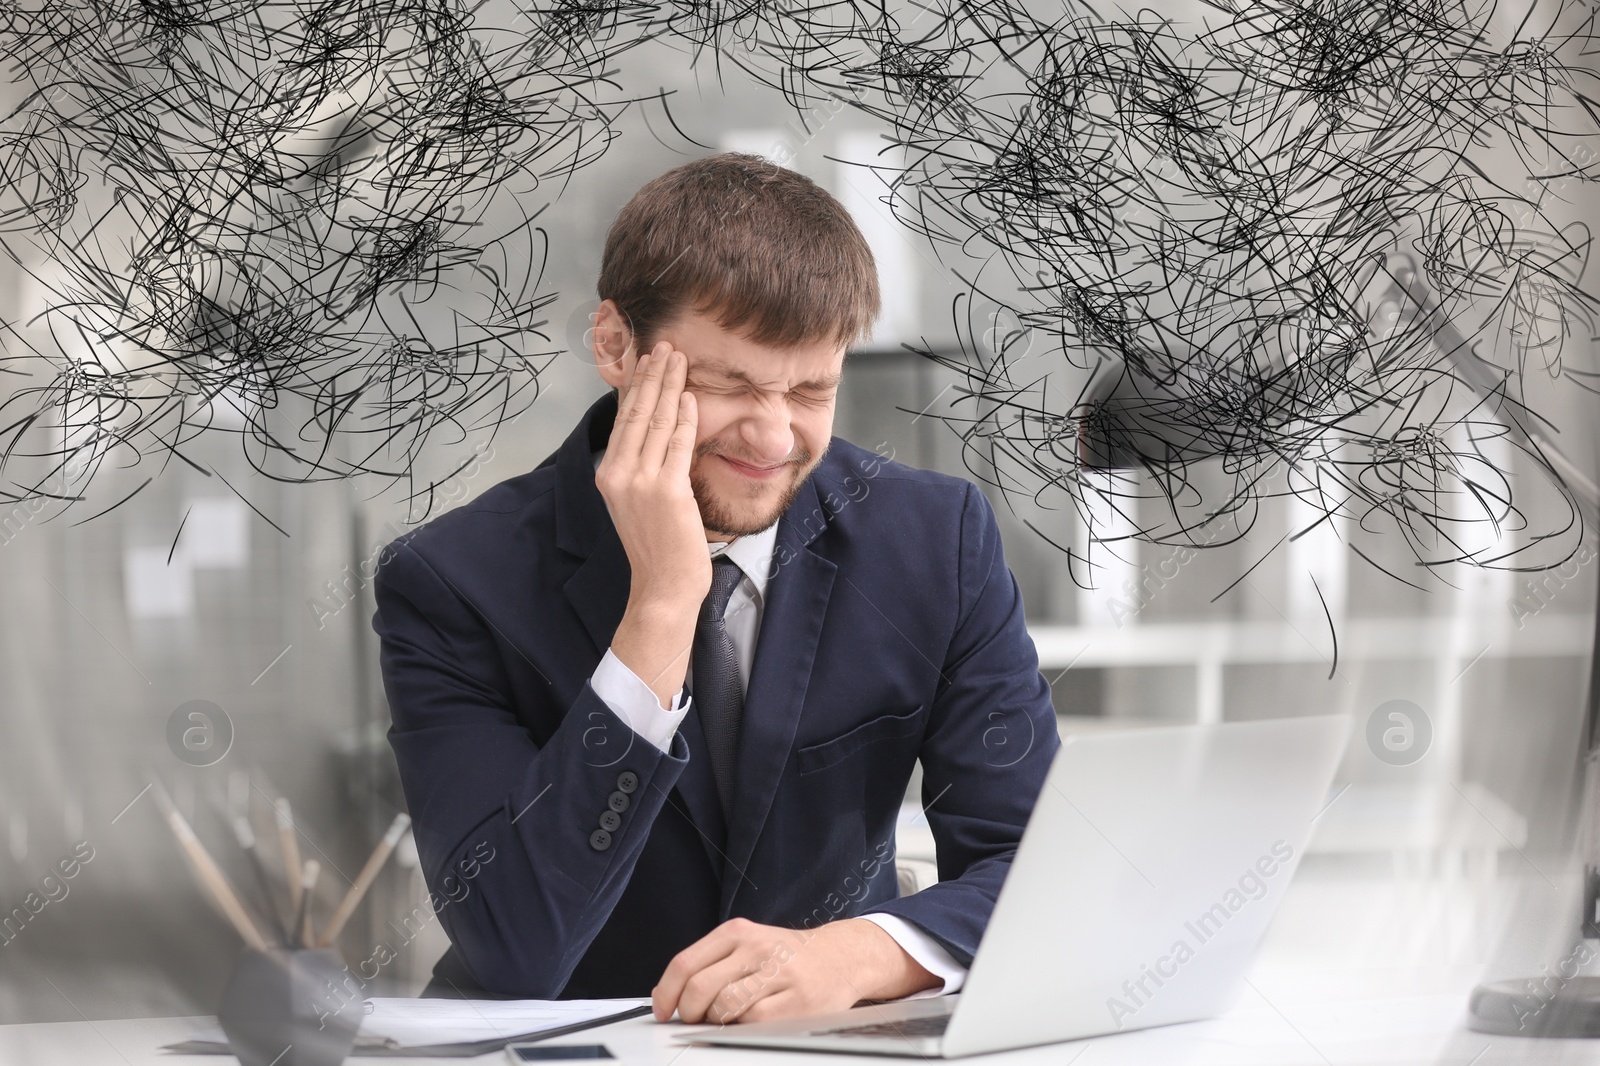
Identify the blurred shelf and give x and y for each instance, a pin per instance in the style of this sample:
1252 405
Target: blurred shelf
1176 643
1449 642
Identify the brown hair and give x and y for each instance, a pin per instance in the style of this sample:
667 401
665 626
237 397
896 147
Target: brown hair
765 250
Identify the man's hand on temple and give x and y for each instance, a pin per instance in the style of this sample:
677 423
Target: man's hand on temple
644 478
744 971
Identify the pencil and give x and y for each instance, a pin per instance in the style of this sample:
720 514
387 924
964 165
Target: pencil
308 881
364 880
247 842
206 870
289 844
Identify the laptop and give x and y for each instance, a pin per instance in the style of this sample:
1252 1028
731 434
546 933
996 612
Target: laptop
1146 876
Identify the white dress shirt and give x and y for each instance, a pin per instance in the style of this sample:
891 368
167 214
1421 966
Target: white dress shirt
633 701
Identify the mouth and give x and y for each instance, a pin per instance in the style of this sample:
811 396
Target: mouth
751 471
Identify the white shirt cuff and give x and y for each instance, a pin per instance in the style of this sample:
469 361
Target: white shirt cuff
925 950
631 700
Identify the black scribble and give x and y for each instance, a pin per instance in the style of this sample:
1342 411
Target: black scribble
1316 237
1251 569
285 222
176 536
1333 630
1322 244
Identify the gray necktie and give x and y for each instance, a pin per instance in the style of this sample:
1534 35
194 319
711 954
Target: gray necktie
718 696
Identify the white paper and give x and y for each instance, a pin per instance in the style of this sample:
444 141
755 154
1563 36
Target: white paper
419 1022
402 1023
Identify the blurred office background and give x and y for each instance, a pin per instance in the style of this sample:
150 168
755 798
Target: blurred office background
187 592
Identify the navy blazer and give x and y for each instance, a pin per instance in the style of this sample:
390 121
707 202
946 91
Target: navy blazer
892 631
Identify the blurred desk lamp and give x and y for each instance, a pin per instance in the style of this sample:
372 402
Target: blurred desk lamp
1547 1005
1134 421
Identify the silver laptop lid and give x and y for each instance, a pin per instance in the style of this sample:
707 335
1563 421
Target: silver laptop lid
1151 865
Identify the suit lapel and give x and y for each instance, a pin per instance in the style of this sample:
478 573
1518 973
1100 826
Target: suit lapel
598 590
791 627
598 593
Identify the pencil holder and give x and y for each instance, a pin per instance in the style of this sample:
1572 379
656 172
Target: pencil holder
290 1007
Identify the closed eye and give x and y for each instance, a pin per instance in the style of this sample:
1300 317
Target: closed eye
813 397
721 390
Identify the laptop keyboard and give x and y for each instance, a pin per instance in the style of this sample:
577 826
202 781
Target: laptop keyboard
926 1025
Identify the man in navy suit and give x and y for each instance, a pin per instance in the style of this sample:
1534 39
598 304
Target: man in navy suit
656 702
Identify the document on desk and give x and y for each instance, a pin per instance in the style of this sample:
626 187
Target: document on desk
456 1027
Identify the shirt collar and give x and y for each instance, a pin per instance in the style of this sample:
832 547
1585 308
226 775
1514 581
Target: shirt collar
753 554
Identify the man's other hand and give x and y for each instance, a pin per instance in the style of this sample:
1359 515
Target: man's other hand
744 971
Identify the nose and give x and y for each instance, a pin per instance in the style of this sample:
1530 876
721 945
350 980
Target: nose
767 434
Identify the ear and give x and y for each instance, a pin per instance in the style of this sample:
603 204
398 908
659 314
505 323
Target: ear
612 344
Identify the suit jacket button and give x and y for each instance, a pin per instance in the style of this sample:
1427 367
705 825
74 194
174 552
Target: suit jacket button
610 821
599 840
627 781
617 801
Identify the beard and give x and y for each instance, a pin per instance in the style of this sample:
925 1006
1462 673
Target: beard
743 518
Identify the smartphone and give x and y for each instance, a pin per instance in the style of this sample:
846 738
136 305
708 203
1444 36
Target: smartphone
556 1052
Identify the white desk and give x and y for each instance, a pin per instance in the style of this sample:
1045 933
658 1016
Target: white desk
1450 643
1346 1032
